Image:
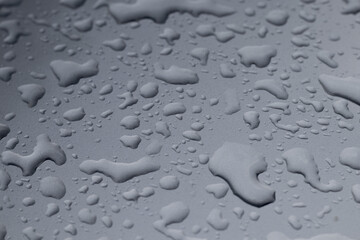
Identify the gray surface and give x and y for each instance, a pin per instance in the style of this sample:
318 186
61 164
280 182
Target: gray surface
328 144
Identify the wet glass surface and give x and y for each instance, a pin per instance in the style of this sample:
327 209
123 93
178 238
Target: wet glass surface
179 119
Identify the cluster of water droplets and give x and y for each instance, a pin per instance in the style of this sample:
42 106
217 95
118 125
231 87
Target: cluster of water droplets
168 119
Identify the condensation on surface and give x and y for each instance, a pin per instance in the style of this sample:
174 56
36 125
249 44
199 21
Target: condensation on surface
182 120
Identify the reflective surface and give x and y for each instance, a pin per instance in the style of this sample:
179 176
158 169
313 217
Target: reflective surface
168 119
